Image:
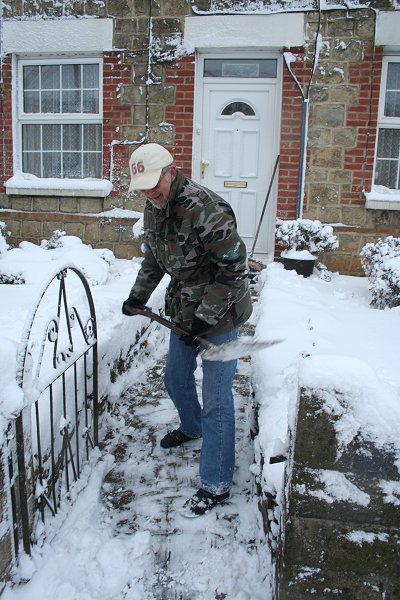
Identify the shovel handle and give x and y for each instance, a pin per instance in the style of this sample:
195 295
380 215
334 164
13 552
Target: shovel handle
147 312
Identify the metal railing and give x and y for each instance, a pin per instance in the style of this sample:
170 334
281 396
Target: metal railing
52 436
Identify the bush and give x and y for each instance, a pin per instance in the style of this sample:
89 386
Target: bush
4 235
306 234
381 264
54 242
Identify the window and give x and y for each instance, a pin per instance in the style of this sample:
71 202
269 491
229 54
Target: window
387 160
60 118
240 67
238 107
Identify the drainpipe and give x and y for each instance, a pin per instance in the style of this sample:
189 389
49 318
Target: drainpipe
288 57
303 157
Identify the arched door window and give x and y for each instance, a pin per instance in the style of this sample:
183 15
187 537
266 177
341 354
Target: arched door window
238 106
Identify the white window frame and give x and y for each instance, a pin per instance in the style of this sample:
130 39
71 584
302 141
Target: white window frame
380 197
22 184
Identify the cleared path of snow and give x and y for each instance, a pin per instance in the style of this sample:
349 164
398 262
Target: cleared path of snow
123 537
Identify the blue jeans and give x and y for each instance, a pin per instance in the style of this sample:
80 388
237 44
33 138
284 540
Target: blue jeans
215 421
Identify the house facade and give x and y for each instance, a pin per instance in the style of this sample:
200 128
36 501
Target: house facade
250 97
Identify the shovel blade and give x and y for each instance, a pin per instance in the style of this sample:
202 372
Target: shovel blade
243 346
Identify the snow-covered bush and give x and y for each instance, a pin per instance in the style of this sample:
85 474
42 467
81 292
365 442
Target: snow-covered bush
55 241
381 264
32 264
4 235
306 234
5 275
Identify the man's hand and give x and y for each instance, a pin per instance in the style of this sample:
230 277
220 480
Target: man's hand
198 328
130 305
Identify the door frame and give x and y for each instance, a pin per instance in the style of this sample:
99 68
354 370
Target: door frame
269 218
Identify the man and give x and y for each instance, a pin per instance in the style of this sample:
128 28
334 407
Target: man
190 233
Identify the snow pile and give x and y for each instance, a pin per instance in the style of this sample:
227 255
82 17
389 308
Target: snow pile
334 342
32 264
87 561
381 264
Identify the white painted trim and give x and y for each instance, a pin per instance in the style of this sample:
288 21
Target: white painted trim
95 188
46 36
387 28
244 31
382 198
383 204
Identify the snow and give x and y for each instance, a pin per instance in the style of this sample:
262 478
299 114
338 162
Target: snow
332 340
23 181
336 487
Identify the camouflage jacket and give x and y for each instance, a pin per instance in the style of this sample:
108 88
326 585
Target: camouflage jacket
195 240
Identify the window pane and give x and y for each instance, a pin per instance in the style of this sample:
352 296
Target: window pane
31 102
50 75
50 102
393 76
240 107
31 77
388 143
92 137
72 137
51 137
91 76
31 137
240 67
392 98
31 163
71 77
52 164
72 164
92 164
71 102
90 101
392 104
388 157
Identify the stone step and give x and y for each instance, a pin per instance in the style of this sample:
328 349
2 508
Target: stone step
342 525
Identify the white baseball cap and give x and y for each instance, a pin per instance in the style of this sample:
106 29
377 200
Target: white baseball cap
146 164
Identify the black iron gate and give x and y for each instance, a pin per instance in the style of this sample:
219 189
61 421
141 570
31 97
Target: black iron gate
53 434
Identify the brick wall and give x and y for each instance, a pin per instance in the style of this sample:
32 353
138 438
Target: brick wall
180 113
290 137
342 134
6 154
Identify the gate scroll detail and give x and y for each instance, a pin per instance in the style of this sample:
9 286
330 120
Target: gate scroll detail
52 436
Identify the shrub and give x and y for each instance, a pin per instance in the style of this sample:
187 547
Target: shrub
381 264
54 242
306 234
4 235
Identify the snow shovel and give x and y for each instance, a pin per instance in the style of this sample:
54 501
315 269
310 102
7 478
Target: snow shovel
239 348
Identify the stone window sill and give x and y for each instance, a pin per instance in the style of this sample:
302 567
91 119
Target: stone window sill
33 186
381 198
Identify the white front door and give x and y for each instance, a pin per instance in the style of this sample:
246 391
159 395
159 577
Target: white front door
236 152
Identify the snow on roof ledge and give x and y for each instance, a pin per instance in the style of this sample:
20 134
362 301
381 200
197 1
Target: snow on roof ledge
244 31
24 184
57 35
